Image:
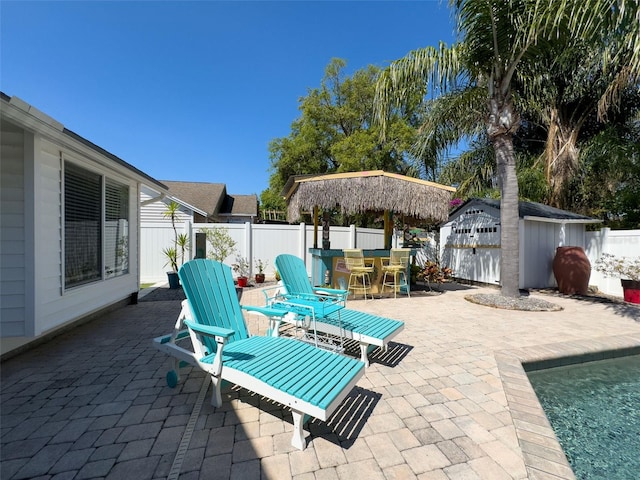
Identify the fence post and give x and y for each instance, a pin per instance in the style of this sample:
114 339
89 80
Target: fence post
352 236
248 232
302 241
187 229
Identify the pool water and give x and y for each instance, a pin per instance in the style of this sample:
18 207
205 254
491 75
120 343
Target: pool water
594 409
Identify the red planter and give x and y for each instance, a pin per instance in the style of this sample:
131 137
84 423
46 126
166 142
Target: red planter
572 270
631 290
242 281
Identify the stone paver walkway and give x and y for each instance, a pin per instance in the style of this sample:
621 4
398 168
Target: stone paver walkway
448 400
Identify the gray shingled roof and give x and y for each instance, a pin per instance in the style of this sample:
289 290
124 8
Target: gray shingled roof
213 199
240 205
205 196
532 209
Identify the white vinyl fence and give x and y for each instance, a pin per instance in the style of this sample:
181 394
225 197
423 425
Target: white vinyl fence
267 241
621 243
253 242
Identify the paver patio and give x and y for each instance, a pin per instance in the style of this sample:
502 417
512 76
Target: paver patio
449 400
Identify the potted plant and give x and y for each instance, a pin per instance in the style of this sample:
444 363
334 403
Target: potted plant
172 252
241 267
261 265
627 269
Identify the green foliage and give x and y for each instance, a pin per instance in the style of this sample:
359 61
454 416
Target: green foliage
222 245
271 198
171 253
261 265
183 244
172 257
532 183
241 266
336 133
607 185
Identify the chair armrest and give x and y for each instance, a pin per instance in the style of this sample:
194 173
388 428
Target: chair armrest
369 262
384 261
331 292
313 297
272 292
266 311
209 330
220 336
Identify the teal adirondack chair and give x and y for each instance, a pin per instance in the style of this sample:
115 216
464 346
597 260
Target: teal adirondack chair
370 331
311 381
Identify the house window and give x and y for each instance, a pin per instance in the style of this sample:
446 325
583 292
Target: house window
96 226
116 229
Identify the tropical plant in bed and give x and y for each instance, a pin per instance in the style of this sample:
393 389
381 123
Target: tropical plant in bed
434 273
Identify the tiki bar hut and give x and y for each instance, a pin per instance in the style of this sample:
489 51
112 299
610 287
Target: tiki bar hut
361 192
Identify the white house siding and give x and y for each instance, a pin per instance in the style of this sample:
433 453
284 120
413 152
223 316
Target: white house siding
53 304
48 240
154 212
12 232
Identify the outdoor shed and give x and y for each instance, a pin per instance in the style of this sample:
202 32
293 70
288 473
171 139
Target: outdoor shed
69 232
470 241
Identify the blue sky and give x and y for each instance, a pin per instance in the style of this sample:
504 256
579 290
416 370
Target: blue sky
195 91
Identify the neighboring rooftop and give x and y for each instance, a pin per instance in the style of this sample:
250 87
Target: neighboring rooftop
213 199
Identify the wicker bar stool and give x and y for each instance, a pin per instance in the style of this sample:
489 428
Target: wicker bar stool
395 273
359 272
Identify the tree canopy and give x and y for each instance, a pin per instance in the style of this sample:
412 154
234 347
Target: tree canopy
500 58
335 133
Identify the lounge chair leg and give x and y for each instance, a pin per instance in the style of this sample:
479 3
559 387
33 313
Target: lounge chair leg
216 397
364 350
274 327
298 439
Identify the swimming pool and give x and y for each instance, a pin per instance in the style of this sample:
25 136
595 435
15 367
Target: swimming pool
594 409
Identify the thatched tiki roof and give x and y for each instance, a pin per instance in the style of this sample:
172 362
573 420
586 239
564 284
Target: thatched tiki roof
374 191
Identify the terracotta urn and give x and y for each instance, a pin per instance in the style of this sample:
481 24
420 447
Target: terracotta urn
572 270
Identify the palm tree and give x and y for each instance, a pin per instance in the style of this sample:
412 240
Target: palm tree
498 38
562 93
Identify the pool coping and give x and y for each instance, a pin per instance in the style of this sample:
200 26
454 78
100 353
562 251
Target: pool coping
543 456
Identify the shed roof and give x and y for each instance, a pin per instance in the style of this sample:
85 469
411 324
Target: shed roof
371 191
532 211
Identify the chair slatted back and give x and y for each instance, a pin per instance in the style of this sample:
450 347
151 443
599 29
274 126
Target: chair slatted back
399 257
353 258
293 274
212 297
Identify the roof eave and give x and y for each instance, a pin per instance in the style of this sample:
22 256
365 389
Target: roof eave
561 220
